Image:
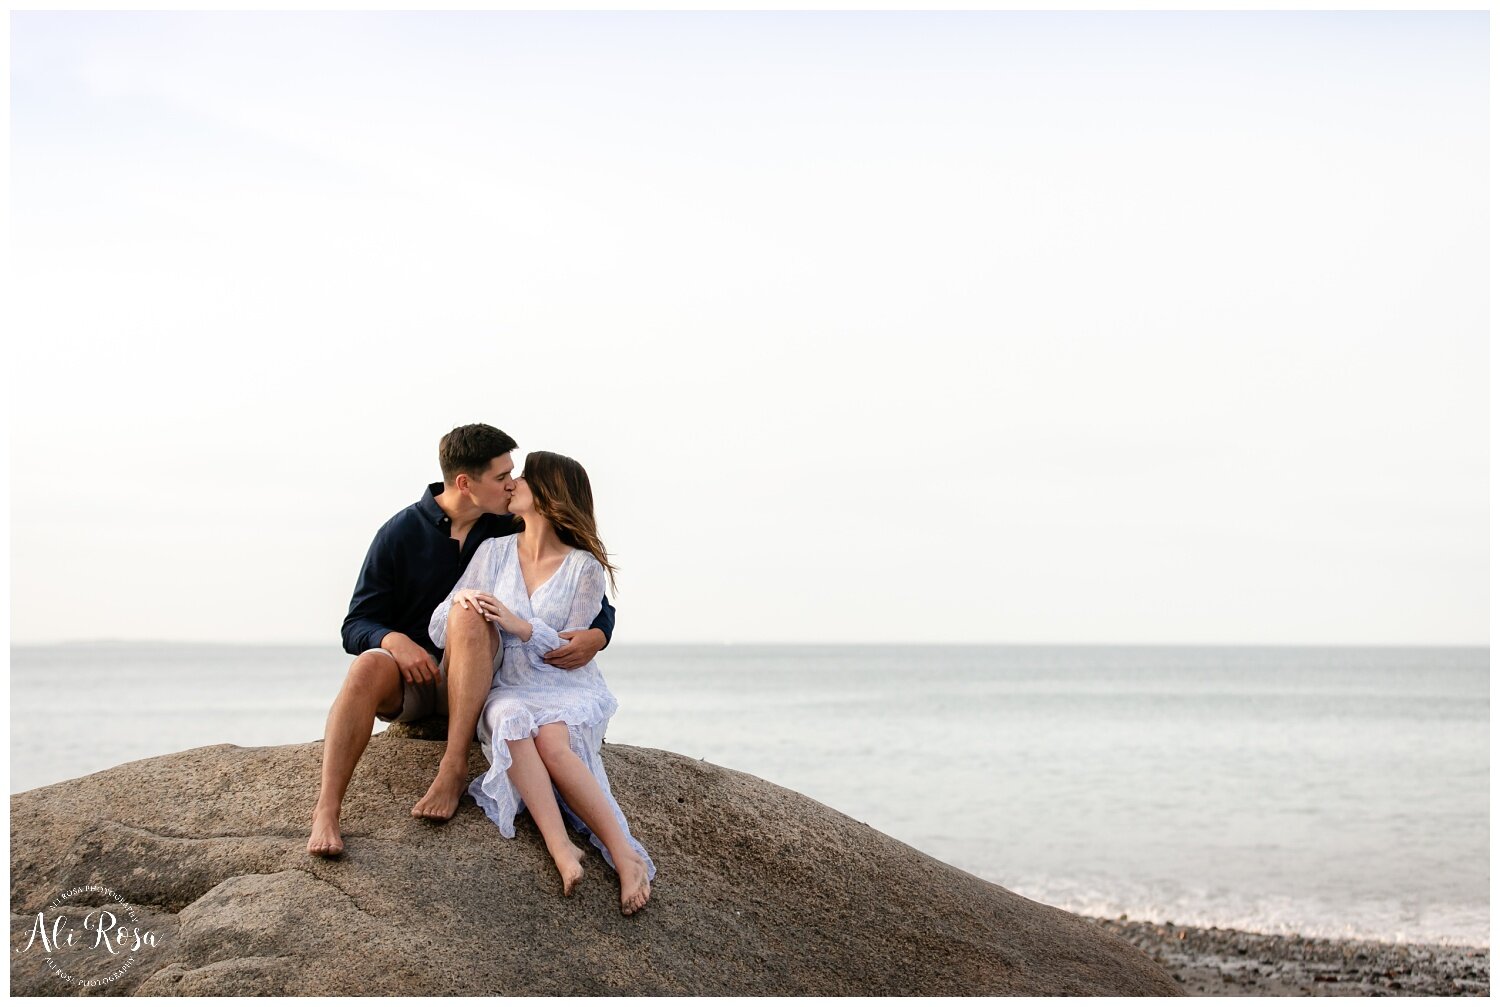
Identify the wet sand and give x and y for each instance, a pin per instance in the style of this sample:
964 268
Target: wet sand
1217 962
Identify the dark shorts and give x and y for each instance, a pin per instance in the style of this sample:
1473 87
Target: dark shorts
419 700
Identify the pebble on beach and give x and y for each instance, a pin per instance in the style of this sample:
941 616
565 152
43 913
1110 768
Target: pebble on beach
1217 962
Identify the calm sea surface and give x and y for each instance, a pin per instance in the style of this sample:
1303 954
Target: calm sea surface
1327 791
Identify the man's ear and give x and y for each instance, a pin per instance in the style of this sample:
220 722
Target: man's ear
461 482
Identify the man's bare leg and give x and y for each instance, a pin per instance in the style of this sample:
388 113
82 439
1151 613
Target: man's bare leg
472 642
586 798
372 685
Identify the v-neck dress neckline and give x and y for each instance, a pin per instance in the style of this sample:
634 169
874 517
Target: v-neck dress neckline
531 595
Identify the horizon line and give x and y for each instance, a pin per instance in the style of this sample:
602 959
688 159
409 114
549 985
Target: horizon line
115 641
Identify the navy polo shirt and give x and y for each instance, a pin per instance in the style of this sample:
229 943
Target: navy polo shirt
411 567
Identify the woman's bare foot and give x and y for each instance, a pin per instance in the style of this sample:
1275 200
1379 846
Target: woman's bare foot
440 802
326 841
570 866
635 889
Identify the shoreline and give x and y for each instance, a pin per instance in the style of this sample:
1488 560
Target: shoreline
1212 961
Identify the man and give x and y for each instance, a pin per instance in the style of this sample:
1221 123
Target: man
413 563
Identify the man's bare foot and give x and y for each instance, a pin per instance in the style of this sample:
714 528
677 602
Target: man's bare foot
570 866
441 800
634 888
326 841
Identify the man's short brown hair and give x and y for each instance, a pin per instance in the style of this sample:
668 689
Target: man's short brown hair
470 449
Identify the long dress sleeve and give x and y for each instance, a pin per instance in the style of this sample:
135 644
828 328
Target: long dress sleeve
588 592
479 575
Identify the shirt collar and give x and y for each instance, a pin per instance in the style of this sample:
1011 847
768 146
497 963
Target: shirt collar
428 505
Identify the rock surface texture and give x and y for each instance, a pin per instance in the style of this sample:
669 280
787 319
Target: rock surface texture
759 891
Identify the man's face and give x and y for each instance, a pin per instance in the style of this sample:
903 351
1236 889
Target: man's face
491 491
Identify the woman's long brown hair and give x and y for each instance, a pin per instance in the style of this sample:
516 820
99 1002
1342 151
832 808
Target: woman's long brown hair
561 493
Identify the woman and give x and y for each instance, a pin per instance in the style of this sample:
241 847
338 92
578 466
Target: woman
542 726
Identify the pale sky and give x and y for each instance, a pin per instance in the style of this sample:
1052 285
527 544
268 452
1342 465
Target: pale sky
1089 328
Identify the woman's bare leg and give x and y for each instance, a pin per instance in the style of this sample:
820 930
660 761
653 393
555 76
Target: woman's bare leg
584 796
530 778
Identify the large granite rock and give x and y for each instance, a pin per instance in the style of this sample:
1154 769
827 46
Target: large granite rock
759 891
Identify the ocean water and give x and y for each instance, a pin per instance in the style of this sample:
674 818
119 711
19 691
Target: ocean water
1329 791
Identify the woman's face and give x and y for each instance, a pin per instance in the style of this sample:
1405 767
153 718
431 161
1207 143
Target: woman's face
520 500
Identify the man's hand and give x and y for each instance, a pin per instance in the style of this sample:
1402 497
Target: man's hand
411 657
580 649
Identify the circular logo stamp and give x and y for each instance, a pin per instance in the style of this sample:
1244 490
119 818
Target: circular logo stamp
87 945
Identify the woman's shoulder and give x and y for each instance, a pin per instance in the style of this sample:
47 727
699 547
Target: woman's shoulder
496 544
584 562
491 553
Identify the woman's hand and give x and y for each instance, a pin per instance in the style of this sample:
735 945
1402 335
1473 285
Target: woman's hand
484 604
512 623
492 609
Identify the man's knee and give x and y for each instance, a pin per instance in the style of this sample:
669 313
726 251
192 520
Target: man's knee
469 617
374 673
466 621
466 625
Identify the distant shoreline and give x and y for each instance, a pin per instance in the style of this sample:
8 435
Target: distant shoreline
1212 961
335 646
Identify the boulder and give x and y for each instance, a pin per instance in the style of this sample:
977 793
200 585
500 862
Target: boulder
759 891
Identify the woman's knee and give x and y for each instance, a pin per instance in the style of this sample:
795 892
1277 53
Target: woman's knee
552 742
524 746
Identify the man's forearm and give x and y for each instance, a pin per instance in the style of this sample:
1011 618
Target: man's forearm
604 622
362 634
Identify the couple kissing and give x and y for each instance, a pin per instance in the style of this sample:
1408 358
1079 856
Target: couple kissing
485 602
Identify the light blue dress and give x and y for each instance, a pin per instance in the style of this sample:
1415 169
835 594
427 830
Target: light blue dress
527 692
